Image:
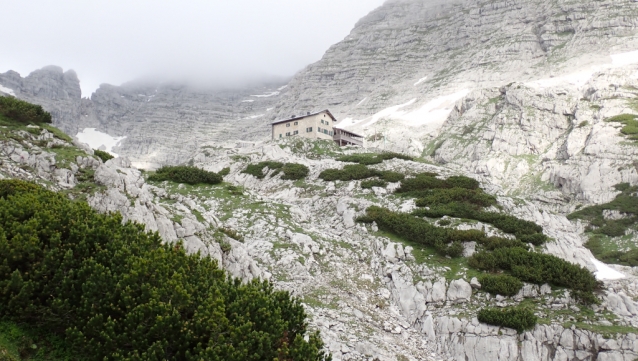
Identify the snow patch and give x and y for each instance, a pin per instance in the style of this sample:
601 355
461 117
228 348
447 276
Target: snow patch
248 101
605 272
282 87
435 111
269 109
267 95
98 140
420 81
390 112
363 100
7 90
255 116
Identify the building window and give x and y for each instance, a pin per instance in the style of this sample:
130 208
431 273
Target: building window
287 124
309 129
319 130
330 133
281 135
296 123
295 132
288 134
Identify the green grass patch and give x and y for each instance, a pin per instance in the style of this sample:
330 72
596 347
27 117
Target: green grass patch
20 342
64 156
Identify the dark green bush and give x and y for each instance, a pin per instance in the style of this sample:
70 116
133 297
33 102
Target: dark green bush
428 181
520 319
371 158
500 284
185 174
224 172
23 112
526 231
391 177
349 172
257 170
437 197
367 184
102 155
294 171
115 292
537 268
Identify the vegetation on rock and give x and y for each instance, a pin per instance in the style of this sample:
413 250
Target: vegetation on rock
291 171
518 318
367 184
23 112
185 174
539 268
112 291
372 158
630 122
102 155
504 285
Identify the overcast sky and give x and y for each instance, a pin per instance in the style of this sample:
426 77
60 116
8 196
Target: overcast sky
217 41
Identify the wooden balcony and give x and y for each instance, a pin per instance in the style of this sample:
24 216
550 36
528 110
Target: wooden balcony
346 138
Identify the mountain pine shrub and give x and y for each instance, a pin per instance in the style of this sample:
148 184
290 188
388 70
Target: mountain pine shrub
295 171
539 268
291 171
114 292
102 155
367 184
23 112
185 174
518 318
349 172
504 285
372 158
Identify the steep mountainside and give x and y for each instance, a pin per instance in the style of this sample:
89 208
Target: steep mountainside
415 49
162 123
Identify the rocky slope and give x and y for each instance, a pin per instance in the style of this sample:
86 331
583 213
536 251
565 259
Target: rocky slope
162 123
370 295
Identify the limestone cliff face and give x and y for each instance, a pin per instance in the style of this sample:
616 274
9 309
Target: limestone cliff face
419 49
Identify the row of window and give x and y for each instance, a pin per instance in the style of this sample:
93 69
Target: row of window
308 130
288 124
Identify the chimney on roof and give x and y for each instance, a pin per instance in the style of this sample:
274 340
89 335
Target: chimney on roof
293 116
308 113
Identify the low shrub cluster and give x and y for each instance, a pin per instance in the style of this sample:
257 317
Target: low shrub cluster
626 202
114 292
496 254
372 158
427 181
102 155
232 233
367 184
291 171
518 318
504 285
446 241
357 172
526 231
185 174
23 112
539 268
224 172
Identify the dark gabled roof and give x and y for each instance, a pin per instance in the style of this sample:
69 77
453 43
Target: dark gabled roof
304 116
349 132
